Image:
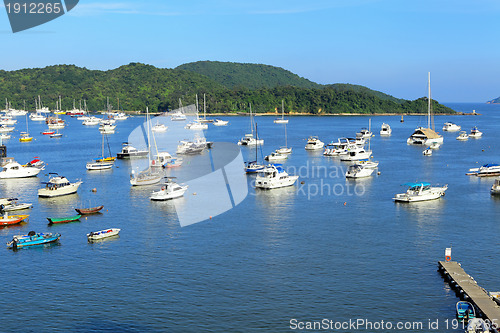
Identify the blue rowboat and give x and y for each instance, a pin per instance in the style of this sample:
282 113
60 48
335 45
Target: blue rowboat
465 310
32 238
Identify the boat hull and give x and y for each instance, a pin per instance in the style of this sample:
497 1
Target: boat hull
66 190
86 211
64 219
266 184
38 239
102 234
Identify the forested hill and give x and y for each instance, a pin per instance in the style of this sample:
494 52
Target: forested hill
494 101
138 86
251 76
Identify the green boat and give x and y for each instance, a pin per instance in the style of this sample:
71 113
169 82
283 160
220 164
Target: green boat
64 219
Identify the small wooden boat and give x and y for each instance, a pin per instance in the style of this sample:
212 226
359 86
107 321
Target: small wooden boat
64 219
12 219
32 238
97 235
91 210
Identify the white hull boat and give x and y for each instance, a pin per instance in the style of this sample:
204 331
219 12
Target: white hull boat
219 122
475 133
12 169
451 127
58 186
420 192
356 154
385 130
274 176
169 190
463 136
313 143
101 234
358 171
275 156
495 188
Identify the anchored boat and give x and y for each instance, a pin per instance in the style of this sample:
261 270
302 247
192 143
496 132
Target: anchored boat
64 219
32 238
97 235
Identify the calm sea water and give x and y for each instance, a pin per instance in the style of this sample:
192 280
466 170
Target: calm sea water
325 249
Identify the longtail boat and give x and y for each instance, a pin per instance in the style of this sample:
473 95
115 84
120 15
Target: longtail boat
91 210
64 219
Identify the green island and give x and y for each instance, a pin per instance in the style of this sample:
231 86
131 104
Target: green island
229 88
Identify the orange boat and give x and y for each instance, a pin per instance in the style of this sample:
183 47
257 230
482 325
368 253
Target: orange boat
12 219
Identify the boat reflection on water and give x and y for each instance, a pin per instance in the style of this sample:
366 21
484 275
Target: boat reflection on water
12 187
278 202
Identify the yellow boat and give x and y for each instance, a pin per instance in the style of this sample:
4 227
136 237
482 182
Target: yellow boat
106 159
60 112
25 137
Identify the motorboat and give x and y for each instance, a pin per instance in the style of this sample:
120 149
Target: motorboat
475 133
6 129
275 156
161 158
219 122
314 143
358 171
102 165
169 190
356 153
58 186
451 127
434 145
420 192
249 140
368 164
159 128
32 238
131 152
178 116
478 325
12 169
6 220
487 170
274 176
120 116
465 310
101 234
427 152
196 125
12 204
37 117
364 133
338 148
189 148
173 162
495 188
36 163
253 167
385 130
91 121
107 128
463 136
107 121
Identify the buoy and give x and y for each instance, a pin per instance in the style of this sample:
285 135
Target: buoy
448 258
378 173
210 217
345 203
94 190
194 193
302 182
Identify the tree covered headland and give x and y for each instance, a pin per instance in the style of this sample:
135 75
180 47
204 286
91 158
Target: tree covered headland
228 87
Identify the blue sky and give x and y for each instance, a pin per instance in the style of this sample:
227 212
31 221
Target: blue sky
386 45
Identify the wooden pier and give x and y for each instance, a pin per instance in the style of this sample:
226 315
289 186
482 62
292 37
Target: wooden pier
469 290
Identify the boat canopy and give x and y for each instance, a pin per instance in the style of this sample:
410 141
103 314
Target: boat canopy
489 165
416 184
427 132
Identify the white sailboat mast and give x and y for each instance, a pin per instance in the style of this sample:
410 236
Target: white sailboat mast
429 102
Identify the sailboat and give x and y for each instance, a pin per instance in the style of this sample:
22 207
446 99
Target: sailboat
254 166
109 158
154 173
426 136
102 163
285 149
248 139
204 119
197 123
25 136
56 135
281 120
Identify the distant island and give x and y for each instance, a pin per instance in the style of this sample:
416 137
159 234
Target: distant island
229 87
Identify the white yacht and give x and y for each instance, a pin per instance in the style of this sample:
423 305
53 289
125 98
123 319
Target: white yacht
9 168
487 170
284 150
58 186
313 143
420 192
219 122
37 117
385 130
249 140
275 156
178 116
364 133
475 133
159 128
427 152
274 176
495 188
107 128
281 120
451 127
120 116
131 152
150 176
358 171
196 125
169 190
368 164
463 136
91 121
356 153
